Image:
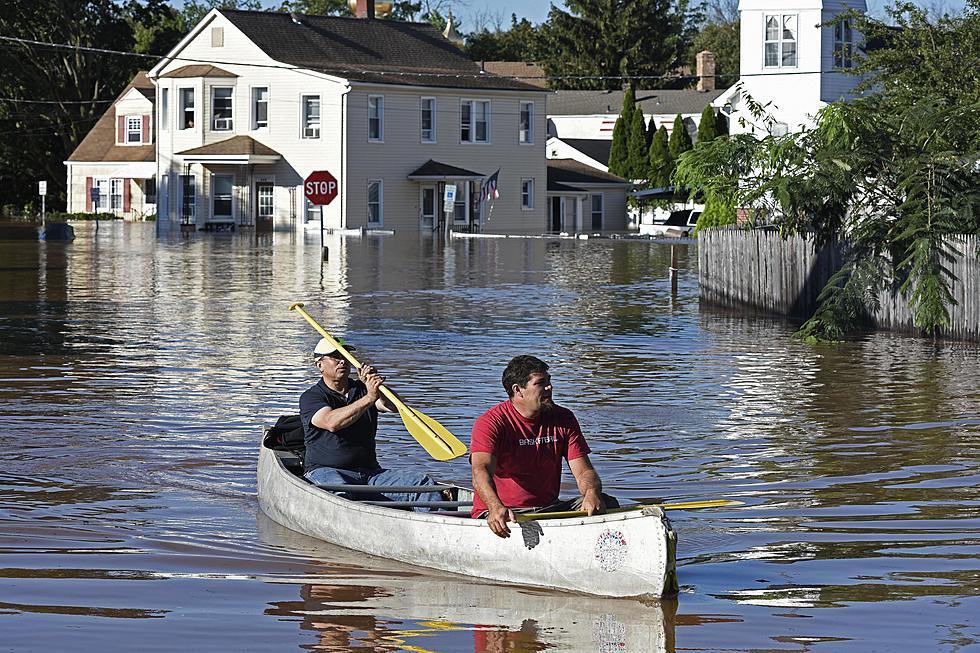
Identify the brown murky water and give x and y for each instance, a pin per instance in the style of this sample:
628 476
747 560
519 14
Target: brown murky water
135 374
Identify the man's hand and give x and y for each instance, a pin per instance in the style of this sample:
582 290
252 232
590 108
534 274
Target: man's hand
497 519
369 375
592 503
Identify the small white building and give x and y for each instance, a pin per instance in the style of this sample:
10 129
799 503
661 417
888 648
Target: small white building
250 103
583 200
794 60
113 169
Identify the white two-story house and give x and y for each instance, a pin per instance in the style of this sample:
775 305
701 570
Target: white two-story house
794 60
250 103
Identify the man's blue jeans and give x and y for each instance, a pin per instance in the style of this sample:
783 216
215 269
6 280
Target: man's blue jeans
334 476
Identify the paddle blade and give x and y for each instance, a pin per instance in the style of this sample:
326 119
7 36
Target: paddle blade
433 436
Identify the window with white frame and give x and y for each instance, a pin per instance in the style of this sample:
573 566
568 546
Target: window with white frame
221 192
843 44
376 118
134 130
311 116
165 109
428 110
527 193
188 199
187 108
116 194
266 200
474 121
597 211
100 201
260 107
780 41
525 129
375 202
221 108
312 211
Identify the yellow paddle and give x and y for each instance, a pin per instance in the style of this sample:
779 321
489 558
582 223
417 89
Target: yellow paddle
681 505
433 436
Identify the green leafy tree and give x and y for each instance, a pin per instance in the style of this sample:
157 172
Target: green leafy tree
637 146
195 10
680 139
596 43
721 39
660 162
707 125
522 42
619 150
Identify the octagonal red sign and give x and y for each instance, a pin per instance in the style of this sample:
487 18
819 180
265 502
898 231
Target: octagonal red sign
321 187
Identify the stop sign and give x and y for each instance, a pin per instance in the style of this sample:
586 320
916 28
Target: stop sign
320 187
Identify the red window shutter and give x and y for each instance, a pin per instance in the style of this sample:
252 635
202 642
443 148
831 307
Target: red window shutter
121 129
146 129
126 196
88 194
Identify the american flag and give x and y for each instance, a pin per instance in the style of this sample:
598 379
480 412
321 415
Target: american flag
490 187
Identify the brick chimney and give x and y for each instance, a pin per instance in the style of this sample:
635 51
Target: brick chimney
706 70
365 9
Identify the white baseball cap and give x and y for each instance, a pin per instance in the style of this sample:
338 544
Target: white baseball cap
324 347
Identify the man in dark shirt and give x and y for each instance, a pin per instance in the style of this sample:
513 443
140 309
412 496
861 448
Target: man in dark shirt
340 422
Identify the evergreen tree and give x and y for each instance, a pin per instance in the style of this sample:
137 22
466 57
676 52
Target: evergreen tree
660 162
637 165
613 39
619 150
680 140
707 126
629 105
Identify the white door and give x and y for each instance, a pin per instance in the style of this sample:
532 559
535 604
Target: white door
428 207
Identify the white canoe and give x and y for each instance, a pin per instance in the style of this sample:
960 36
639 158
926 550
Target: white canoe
628 554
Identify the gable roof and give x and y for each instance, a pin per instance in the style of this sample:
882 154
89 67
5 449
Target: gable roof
199 70
99 143
595 148
570 171
367 50
432 169
236 145
656 102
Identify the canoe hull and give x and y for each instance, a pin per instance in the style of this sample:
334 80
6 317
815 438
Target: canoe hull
625 555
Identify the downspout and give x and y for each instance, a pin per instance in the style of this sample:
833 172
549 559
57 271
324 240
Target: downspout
343 155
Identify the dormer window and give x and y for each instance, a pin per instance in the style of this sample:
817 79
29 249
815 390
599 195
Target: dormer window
843 44
134 130
780 41
221 109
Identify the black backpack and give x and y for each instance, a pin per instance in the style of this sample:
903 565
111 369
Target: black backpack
286 435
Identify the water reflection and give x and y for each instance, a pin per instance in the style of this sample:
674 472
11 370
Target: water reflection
378 605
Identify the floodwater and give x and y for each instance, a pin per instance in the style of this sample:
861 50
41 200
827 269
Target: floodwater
135 374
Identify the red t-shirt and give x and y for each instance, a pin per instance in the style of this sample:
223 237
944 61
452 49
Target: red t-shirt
528 451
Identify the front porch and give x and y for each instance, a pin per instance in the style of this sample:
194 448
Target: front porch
465 211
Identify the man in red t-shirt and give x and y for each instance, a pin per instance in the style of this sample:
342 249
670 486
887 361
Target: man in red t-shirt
517 447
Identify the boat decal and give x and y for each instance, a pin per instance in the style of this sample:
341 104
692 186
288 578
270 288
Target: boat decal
610 550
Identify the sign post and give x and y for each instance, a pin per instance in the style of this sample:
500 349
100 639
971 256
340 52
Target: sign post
449 204
42 190
321 188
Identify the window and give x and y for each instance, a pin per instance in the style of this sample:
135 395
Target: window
474 121
780 43
266 204
165 109
221 192
260 107
150 190
311 116
459 202
597 211
187 108
134 129
100 201
843 44
527 193
376 117
221 102
525 129
375 201
187 199
312 211
428 120
116 191
779 129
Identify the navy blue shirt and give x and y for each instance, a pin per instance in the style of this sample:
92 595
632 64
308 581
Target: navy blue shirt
349 448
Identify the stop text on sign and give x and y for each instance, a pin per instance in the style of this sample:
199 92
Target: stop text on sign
321 188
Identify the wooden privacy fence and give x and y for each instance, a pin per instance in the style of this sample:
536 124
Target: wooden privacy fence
760 272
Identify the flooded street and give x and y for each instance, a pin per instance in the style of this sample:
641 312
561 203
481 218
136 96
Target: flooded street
136 373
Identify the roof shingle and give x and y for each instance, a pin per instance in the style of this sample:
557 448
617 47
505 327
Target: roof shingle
654 102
